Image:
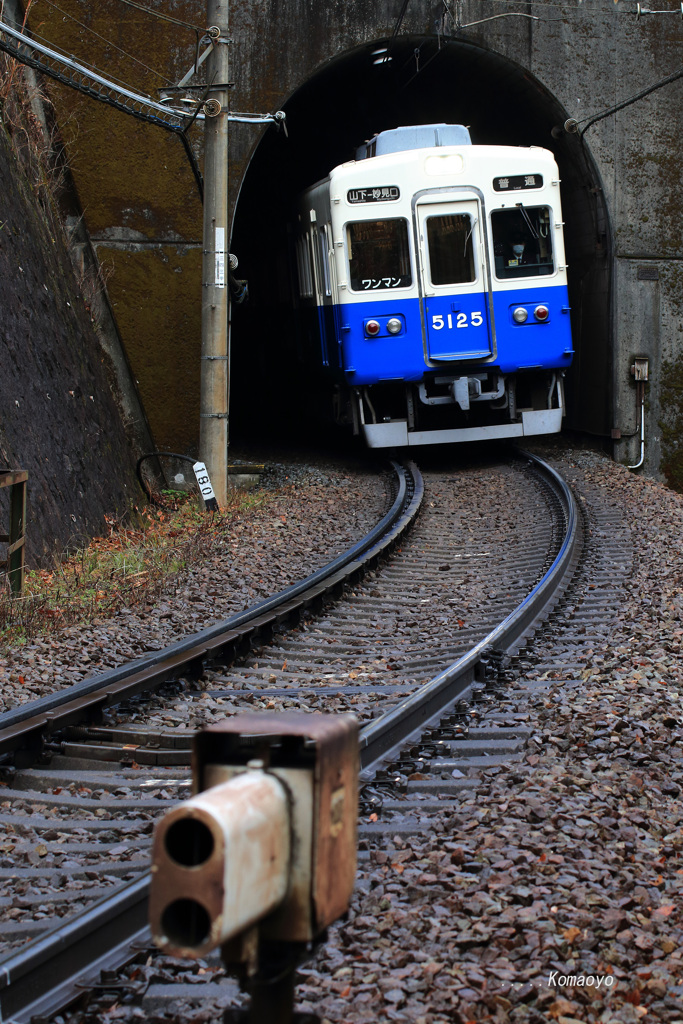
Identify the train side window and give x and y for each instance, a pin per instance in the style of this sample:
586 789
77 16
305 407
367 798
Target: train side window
522 241
451 253
325 258
303 262
379 254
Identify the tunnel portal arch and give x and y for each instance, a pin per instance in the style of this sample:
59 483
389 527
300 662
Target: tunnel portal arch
385 84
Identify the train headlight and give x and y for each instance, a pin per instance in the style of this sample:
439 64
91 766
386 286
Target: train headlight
372 328
394 325
541 313
520 315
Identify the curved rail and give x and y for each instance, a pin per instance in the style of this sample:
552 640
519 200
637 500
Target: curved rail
25 976
25 725
383 738
50 972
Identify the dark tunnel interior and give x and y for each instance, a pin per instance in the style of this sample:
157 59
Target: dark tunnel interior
424 79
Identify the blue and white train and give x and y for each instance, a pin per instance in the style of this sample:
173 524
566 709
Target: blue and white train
432 276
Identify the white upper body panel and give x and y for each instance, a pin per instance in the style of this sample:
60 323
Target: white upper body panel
386 187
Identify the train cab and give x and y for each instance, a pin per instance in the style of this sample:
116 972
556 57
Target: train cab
434 276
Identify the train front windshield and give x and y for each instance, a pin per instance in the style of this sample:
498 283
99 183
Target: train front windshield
522 242
379 254
451 258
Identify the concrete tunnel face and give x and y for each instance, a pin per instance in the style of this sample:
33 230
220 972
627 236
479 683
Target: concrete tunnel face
426 79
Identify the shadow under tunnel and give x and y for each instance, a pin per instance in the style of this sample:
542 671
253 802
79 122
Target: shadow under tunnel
351 99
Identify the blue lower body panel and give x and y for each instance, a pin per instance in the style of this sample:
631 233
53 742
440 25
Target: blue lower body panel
533 345
401 356
458 327
387 356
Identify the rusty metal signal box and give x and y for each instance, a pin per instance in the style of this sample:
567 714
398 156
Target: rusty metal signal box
263 856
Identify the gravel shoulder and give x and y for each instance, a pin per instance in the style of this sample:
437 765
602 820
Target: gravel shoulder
315 508
554 893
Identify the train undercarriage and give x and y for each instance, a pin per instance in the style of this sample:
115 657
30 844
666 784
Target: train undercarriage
447 409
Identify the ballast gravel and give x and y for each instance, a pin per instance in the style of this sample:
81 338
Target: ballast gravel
553 891
405 620
316 508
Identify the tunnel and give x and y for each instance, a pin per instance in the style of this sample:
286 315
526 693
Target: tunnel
374 87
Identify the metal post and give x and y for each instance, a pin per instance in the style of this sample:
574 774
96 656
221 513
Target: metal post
272 988
17 521
16 537
213 429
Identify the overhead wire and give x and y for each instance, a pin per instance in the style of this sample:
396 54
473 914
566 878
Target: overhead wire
580 7
456 15
399 20
85 80
587 122
82 60
104 39
574 126
62 52
163 17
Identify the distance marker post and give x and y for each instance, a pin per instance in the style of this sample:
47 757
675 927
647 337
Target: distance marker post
205 488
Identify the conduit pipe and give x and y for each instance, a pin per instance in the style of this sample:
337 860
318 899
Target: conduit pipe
641 372
641 388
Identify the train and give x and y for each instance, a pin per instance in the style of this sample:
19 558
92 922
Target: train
431 286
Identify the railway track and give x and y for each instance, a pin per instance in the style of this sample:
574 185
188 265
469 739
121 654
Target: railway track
404 643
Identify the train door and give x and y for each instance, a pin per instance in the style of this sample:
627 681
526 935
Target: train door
320 244
454 279
331 297
319 281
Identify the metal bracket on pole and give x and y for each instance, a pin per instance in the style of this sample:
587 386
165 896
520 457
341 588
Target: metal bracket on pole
193 70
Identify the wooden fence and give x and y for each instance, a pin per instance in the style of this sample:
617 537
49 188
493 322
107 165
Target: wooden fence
16 537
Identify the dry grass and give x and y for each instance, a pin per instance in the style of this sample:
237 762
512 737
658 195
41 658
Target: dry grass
129 567
35 145
28 121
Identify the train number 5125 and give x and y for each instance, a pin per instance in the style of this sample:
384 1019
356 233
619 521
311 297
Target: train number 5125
456 320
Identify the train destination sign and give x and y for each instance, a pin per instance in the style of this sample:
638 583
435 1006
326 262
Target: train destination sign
377 194
517 182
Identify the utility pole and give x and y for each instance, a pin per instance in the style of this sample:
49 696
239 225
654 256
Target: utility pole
215 366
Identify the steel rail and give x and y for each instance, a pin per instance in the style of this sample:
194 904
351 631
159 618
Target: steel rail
25 725
50 972
26 976
382 739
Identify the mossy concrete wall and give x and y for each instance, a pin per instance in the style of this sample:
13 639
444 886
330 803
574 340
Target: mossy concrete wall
143 213
59 417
